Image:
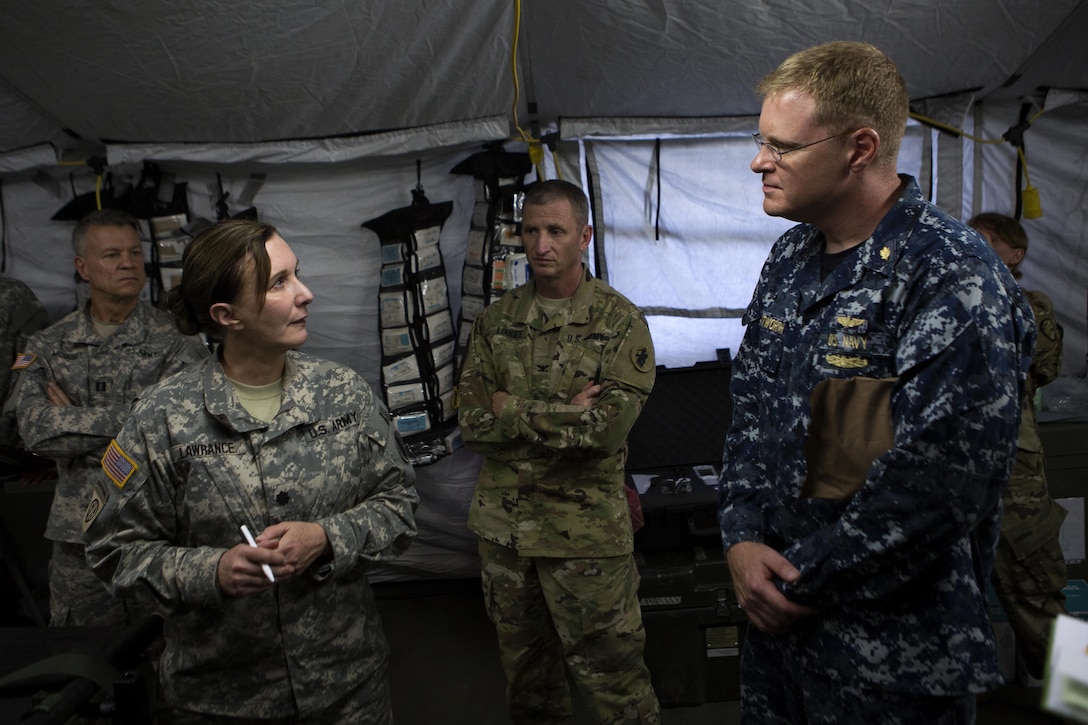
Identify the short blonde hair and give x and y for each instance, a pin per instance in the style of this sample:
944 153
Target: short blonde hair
854 86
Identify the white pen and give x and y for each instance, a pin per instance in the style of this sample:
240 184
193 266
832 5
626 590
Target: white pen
252 542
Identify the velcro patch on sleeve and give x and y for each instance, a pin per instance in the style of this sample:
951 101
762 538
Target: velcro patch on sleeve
23 360
118 466
642 359
98 502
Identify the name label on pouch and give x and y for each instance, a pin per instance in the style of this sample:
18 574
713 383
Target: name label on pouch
200 450
770 323
850 342
334 425
591 337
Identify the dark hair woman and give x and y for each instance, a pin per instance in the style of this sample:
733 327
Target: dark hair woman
260 438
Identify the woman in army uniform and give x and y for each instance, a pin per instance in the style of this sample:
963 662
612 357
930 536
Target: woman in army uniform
295 449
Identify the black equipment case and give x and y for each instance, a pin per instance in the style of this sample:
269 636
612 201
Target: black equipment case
680 435
1065 445
694 628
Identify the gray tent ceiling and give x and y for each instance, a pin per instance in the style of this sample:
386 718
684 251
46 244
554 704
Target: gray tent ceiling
241 72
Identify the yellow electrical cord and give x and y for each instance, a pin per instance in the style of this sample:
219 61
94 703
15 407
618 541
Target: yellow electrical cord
1024 165
1030 195
536 150
514 70
97 182
1029 191
555 160
959 131
952 129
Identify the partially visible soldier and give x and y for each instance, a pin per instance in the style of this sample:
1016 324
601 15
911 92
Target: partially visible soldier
21 315
1029 572
77 381
555 376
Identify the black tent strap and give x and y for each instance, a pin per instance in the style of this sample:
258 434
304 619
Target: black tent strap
657 170
1016 136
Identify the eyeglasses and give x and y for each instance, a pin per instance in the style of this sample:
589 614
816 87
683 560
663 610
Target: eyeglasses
777 153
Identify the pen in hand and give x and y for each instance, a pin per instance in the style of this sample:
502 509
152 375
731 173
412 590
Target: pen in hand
252 542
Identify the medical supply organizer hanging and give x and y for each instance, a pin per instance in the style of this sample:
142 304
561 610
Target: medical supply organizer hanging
495 258
416 326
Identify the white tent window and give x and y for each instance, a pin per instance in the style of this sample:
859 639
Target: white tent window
684 234
695 252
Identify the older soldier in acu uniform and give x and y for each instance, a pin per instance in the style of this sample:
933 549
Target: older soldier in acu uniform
295 449
555 376
866 591
77 380
1030 571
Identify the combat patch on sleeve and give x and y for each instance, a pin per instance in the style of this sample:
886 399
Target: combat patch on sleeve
23 360
1050 330
118 466
98 502
642 359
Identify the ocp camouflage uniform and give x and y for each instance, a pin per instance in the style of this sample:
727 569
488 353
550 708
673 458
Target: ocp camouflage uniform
188 469
898 571
21 315
103 377
549 505
1030 570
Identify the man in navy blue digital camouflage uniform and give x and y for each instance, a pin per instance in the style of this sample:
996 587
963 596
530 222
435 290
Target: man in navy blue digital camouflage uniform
869 606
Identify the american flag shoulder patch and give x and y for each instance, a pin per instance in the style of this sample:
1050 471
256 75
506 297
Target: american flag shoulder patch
117 465
23 360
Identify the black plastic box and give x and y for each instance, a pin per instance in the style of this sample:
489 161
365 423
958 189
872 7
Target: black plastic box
694 628
680 511
1065 445
682 427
